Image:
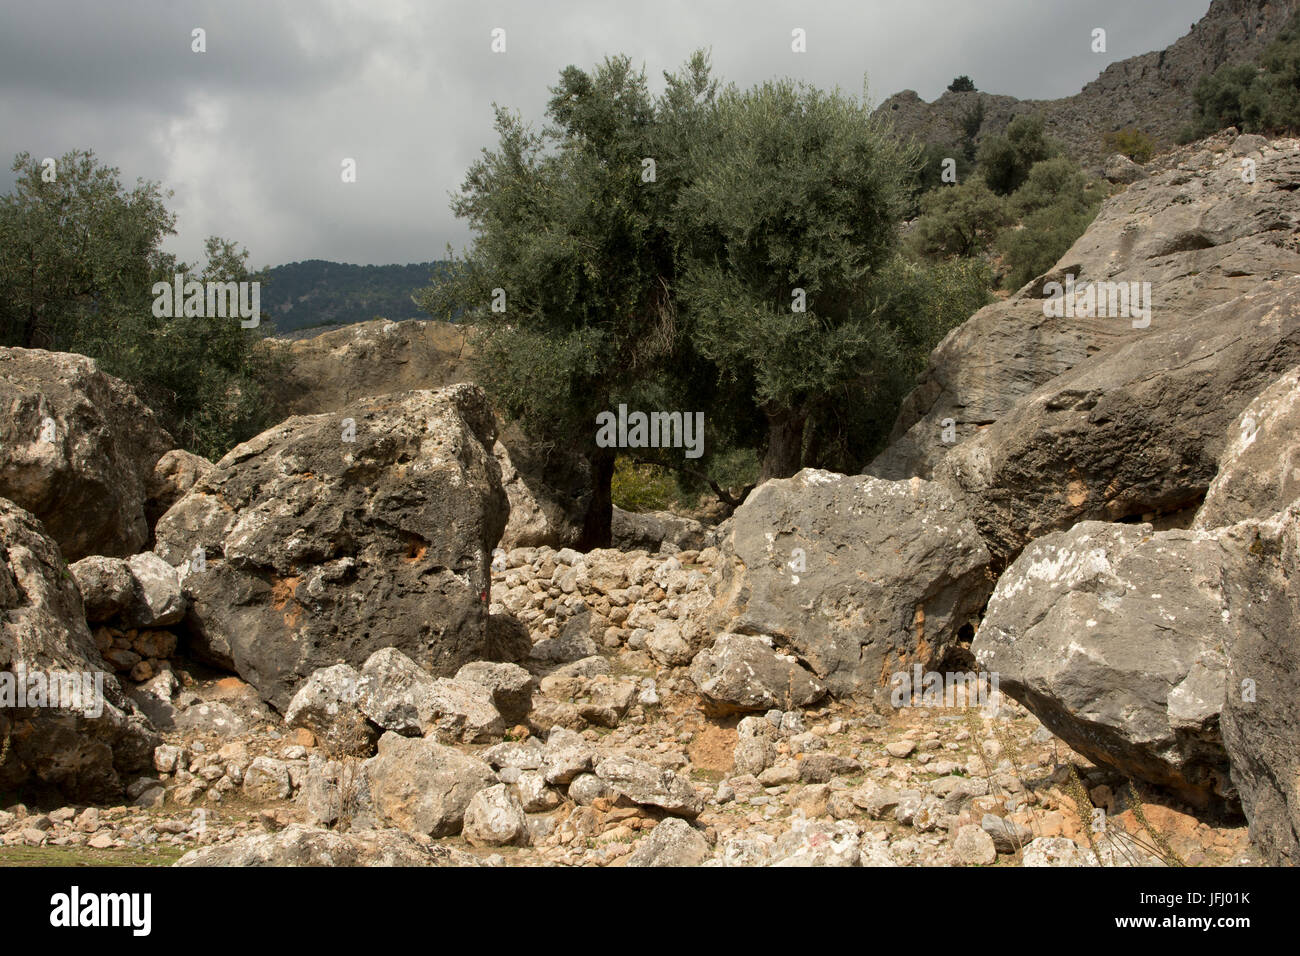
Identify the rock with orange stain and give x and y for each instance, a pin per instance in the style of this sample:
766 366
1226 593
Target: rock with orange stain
331 536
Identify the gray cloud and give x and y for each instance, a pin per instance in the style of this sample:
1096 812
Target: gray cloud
250 135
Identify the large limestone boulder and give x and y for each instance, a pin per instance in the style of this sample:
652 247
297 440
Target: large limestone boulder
95 737
143 590
1259 468
658 532
855 576
328 371
1262 710
77 450
175 473
743 673
1135 431
549 489
331 536
1114 636
1194 229
421 786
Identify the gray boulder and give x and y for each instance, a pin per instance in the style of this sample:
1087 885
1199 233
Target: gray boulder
855 576
510 685
317 549
1113 636
328 704
549 492
94 739
106 585
658 532
174 474
78 452
398 695
141 591
673 842
422 786
160 602
1262 709
495 817
645 784
1120 169
743 673
1193 229
1259 468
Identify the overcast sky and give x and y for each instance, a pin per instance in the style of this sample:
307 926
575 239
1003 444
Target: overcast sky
250 135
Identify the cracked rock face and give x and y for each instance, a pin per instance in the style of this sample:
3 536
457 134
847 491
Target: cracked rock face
854 576
79 451
1192 229
1114 637
84 751
1259 469
331 536
1263 709
1135 430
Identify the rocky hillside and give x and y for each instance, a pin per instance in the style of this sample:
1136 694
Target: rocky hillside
1152 92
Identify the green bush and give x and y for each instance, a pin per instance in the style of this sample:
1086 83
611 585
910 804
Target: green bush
642 487
1054 206
1132 142
79 254
1005 160
961 84
958 220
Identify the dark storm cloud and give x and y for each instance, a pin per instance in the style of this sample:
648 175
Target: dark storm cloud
250 135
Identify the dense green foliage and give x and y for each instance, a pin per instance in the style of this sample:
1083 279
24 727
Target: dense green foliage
1027 204
1054 207
1261 97
79 255
573 250
796 207
1131 142
643 486
962 84
750 272
1030 229
1005 160
315 293
960 220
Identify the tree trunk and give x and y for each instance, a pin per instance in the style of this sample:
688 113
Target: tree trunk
597 526
784 454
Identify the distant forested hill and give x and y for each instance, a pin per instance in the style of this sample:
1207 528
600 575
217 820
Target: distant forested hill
316 293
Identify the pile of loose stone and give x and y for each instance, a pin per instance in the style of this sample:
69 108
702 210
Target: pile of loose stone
601 748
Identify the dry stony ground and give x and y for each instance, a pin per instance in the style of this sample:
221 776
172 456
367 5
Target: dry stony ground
842 784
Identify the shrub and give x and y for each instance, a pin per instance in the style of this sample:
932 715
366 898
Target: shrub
961 84
1055 206
642 487
958 220
1006 160
1132 142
